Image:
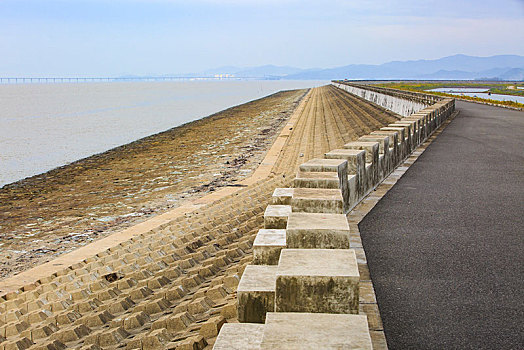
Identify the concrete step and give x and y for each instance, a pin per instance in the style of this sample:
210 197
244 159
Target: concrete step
320 165
316 230
316 180
288 330
267 246
285 330
256 293
282 196
372 160
339 166
355 158
317 281
318 200
239 336
276 216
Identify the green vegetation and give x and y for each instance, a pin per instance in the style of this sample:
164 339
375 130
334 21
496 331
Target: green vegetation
494 88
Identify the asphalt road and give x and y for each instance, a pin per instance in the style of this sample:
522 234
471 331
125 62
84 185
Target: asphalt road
445 246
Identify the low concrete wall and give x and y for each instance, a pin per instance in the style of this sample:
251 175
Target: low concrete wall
403 103
303 290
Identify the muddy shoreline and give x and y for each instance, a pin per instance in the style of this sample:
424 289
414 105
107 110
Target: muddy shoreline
50 214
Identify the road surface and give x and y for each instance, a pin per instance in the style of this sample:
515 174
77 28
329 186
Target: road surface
445 245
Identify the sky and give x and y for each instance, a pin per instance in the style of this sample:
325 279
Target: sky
116 37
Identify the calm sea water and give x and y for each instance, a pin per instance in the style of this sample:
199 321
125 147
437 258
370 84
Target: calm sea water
43 126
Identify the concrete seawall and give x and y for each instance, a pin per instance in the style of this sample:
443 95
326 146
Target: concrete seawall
403 103
172 281
306 284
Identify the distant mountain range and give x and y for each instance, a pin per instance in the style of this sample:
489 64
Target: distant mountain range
457 67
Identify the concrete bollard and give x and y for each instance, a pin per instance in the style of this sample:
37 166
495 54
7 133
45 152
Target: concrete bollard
372 166
413 131
276 216
394 146
432 119
339 166
315 230
419 121
409 132
423 121
282 196
267 246
356 166
384 153
256 293
318 200
403 140
317 280
316 180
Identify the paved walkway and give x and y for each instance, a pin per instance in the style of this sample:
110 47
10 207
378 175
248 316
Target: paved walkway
445 246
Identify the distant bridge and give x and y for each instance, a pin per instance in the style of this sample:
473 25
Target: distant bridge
4 80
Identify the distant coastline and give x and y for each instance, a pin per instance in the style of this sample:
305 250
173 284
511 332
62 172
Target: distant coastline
44 126
456 67
72 205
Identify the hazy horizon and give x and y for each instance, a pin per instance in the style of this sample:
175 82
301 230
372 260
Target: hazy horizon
140 37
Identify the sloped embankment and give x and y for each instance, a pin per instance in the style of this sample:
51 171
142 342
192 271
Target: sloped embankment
174 286
50 214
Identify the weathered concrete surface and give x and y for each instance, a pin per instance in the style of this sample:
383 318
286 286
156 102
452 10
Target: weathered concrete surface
315 331
267 246
393 144
398 102
318 164
276 216
356 166
240 336
316 180
372 156
355 158
340 166
317 280
282 196
318 200
444 246
404 148
256 293
385 161
314 230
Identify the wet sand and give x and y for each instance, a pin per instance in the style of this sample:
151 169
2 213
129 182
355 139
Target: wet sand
53 213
